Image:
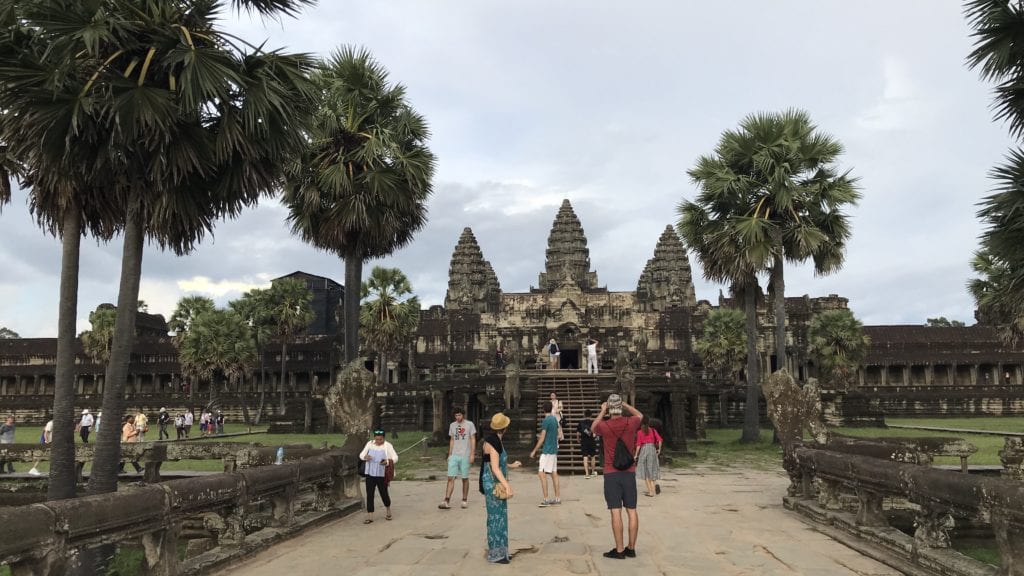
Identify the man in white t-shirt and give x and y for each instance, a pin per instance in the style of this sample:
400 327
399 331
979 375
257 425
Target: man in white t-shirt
46 438
85 426
461 452
592 362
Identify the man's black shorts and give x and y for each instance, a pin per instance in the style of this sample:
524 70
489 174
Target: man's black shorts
620 490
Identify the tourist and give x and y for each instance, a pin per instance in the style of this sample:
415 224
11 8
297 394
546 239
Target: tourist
131 433
142 426
179 426
592 363
648 448
588 445
85 426
163 420
96 424
547 443
494 468
218 420
553 354
558 409
45 438
499 358
190 418
203 418
7 437
619 485
461 452
379 455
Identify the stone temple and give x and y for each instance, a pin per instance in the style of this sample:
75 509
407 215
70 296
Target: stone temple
646 350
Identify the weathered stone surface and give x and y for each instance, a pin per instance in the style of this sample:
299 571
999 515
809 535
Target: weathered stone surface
666 280
350 399
472 284
568 258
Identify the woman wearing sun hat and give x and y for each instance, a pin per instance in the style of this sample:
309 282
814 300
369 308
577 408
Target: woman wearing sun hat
494 472
378 454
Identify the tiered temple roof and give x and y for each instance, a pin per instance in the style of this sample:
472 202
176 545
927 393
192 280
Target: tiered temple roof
472 284
568 258
666 281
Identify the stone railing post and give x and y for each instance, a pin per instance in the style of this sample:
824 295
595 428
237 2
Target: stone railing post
870 512
1009 533
932 528
283 506
161 551
828 494
1012 457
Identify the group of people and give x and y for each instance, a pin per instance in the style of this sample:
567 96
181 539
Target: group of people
630 449
554 355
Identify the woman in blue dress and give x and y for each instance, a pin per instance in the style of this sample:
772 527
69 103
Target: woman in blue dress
494 471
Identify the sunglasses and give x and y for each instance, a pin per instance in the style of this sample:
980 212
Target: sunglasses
378 432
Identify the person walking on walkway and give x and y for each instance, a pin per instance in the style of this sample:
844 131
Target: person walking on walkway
648 448
619 482
379 454
45 438
141 426
547 443
130 433
190 418
7 437
461 452
588 445
592 362
494 469
163 420
85 426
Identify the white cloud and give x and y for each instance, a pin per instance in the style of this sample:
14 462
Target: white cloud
220 288
902 105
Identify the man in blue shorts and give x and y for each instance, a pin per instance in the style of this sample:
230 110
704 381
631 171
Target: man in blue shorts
461 451
619 484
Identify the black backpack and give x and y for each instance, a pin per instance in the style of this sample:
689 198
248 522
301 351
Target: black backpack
622 459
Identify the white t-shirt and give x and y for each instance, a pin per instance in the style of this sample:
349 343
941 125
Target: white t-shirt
87 420
189 418
592 349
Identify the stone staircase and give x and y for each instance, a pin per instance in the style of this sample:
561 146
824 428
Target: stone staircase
577 391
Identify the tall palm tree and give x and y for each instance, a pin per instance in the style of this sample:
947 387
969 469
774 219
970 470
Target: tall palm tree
96 341
360 188
218 345
722 346
254 307
729 257
185 125
189 308
389 314
289 305
781 173
837 343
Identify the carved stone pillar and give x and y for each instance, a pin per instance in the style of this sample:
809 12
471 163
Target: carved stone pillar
438 430
997 374
929 374
161 551
933 527
1019 372
885 375
828 494
870 511
283 506
1009 534
1012 457
35 385
906 375
80 384
154 380
951 374
974 374
860 375
678 419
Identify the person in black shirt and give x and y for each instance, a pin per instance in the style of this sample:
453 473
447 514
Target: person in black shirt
163 420
588 444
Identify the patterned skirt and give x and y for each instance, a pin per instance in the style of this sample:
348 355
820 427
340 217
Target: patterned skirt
647 467
497 522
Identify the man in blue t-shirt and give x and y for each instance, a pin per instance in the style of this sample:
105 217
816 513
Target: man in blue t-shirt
547 443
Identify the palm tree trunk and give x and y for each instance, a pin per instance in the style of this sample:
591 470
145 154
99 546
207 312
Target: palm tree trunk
243 397
108 446
353 284
751 421
263 388
62 446
284 357
779 288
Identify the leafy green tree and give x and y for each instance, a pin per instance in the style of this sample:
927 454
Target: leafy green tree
254 307
779 173
999 55
217 346
722 346
289 305
177 123
389 315
359 190
943 322
97 342
189 308
838 345
7 333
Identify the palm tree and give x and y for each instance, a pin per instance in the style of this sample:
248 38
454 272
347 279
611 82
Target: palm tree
722 346
727 256
180 124
360 188
189 308
219 344
254 308
289 304
389 314
837 343
787 191
96 342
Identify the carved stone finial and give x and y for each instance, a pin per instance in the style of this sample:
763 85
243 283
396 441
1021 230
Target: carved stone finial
667 280
568 258
472 283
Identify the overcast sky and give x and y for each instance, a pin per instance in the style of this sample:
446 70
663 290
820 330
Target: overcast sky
608 103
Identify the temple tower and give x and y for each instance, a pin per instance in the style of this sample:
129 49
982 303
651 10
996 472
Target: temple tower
666 281
568 258
472 283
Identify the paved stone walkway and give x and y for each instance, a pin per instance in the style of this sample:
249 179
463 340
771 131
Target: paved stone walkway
704 523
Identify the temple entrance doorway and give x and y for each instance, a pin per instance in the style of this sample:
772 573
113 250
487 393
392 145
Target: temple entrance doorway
569 359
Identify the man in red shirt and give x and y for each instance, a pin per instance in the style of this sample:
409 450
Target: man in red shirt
619 485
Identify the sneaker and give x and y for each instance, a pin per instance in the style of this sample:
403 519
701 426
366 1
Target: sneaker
556 501
613 553
465 504
657 488
545 503
444 505
586 476
34 472
629 552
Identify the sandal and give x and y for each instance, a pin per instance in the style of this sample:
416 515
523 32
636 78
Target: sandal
368 521
388 517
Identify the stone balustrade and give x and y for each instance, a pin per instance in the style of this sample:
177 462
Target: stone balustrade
940 500
47 539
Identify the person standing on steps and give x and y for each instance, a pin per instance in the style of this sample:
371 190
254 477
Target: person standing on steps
592 362
619 482
461 452
588 446
553 355
547 443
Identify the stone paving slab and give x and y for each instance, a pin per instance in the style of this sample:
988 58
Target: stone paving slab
705 523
